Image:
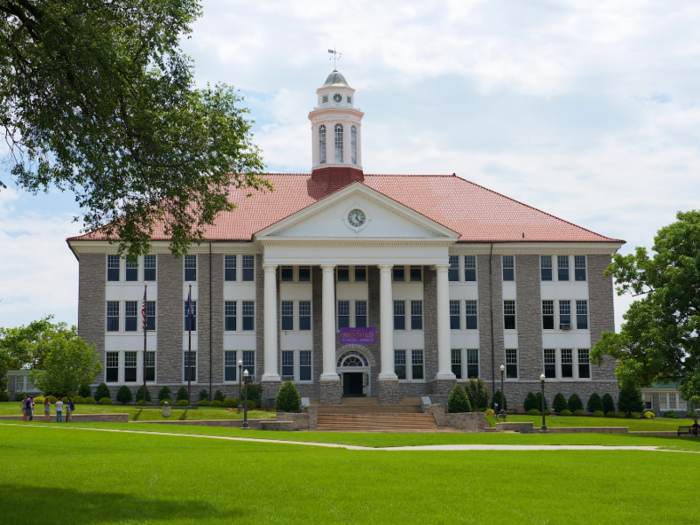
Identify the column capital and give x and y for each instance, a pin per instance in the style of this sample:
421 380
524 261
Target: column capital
440 267
269 267
385 267
328 267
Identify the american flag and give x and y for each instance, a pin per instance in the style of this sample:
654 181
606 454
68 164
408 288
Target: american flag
143 311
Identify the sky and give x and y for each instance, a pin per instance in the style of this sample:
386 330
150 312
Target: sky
587 110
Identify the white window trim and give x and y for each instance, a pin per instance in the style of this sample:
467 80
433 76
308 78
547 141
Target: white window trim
464 364
238 355
196 360
353 323
517 364
121 368
297 367
574 364
572 269
409 366
506 330
515 273
351 274
296 316
407 274
196 268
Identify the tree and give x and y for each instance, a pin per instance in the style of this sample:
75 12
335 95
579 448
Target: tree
84 391
164 393
530 402
608 403
559 403
139 395
496 400
182 394
71 362
124 394
660 339
101 391
27 346
478 393
97 98
458 401
594 404
288 398
204 395
575 402
630 399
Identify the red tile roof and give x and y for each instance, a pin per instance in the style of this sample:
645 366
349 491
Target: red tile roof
477 213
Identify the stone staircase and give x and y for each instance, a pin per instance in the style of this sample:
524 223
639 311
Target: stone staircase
367 415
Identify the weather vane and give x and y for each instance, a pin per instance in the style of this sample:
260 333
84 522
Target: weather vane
336 56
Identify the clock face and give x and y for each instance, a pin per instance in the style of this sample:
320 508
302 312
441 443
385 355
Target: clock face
356 218
337 98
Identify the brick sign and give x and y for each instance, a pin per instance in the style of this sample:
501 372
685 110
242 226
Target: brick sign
362 336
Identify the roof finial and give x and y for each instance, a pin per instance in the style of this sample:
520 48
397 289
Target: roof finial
336 56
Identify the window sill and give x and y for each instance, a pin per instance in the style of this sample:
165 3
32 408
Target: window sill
413 381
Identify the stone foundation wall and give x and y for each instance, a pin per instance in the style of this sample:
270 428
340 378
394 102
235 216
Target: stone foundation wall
330 392
388 391
306 420
467 421
439 390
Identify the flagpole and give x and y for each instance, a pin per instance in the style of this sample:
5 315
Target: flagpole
145 328
189 344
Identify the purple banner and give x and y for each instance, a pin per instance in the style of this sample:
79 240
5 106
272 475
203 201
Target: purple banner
362 336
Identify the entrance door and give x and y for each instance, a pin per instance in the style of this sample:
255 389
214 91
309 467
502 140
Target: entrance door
352 384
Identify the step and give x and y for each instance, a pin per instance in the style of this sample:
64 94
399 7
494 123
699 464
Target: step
369 409
377 422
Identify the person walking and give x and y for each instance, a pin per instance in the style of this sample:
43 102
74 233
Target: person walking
59 411
69 409
30 409
23 406
47 409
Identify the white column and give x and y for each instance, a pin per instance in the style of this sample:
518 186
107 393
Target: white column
443 323
328 324
386 312
270 333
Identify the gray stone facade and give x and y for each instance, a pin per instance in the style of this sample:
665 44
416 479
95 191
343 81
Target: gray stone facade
388 393
529 317
491 353
92 306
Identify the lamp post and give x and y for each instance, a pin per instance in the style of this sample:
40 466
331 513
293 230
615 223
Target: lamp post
240 388
245 404
544 426
503 369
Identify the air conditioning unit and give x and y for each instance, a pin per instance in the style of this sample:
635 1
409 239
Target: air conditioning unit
287 378
565 326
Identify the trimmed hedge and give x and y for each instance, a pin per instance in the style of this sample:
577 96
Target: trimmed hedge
182 403
101 391
608 403
578 412
230 402
559 403
83 391
612 413
90 400
547 412
636 415
670 414
182 394
216 403
538 396
649 414
107 401
478 394
598 413
163 401
203 395
288 399
219 396
124 395
139 394
575 403
621 414
565 412
497 400
534 412
164 393
204 403
530 402
78 400
595 404
458 402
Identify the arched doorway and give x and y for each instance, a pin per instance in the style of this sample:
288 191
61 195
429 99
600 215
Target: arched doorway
354 370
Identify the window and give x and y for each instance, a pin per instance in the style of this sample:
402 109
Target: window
287 316
194 317
470 311
511 363
472 363
112 367
249 363
339 143
304 274
550 363
322 139
304 315
150 366
582 315
453 272
287 365
399 315
287 273
343 273
584 364
353 142
580 267
360 274
230 267
399 274
113 268
672 401
565 315
324 100
305 365
190 369
562 267
509 315
150 316
470 268
400 363
248 267
416 315
149 268
129 367
548 315
647 401
248 311
457 362
509 268
112 316
567 363
663 401
132 271
131 316
417 366
546 267
349 99
454 315
190 268
230 365
416 273
361 314
343 314
230 316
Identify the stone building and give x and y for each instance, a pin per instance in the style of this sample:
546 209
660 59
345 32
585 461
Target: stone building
351 284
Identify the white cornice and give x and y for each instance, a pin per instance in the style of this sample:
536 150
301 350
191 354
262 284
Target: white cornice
163 247
536 248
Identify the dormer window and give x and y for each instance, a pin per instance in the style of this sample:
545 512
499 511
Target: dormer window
322 144
324 100
337 98
339 143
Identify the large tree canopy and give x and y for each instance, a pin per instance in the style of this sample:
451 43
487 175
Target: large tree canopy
660 338
97 98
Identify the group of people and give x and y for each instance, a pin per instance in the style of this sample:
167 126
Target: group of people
27 406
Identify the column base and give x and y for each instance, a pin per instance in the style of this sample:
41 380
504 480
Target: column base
439 390
330 392
388 391
268 396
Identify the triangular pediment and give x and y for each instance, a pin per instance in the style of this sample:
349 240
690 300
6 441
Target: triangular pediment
357 212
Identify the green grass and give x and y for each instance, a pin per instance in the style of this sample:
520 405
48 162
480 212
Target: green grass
80 477
634 425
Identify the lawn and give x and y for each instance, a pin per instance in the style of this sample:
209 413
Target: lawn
634 425
77 477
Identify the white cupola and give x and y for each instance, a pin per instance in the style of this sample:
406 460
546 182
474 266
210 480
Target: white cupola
336 126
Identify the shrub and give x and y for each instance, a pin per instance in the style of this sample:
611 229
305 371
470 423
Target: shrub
251 404
123 395
547 412
254 393
101 391
559 403
142 403
219 396
164 393
649 415
489 412
203 395
630 399
182 403
575 403
530 402
288 399
598 413
497 400
217 403
108 400
4 396
595 404
565 412
139 394
608 403
621 414
538 396
204 403
612 413
19 396
78 400
478 394
458 401
182 394
636 415
83 391
163 401
230 402
90 400
39 400
534 412
670 414
692 414
578 412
